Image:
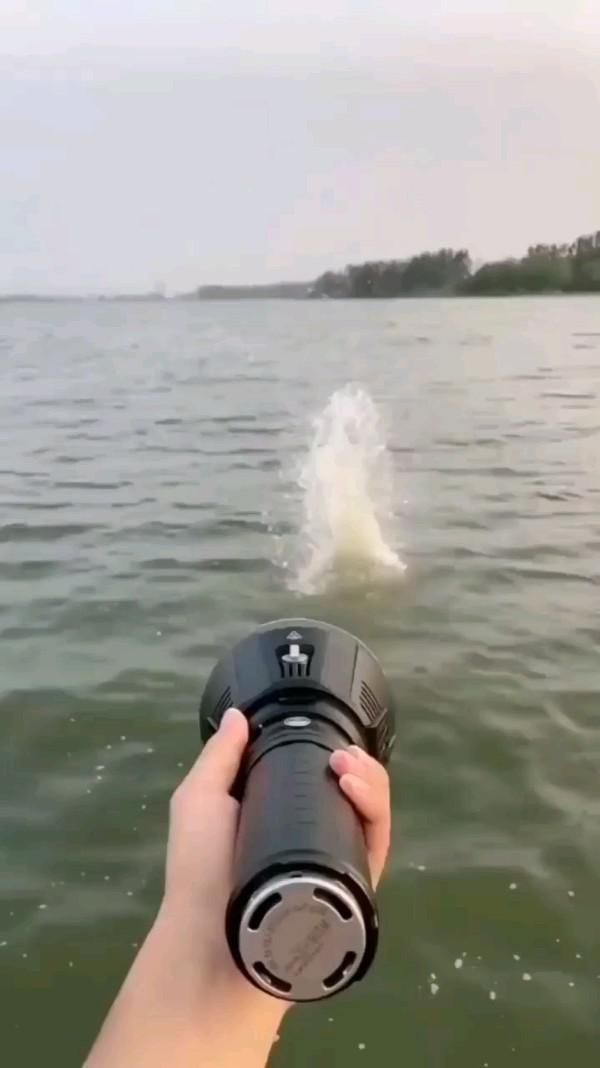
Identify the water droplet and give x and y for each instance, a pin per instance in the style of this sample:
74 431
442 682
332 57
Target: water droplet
526 977
458 963
492 995
434 989
571 893
571 983
421 867
516 956
100 767
361 1045
40 907
513 886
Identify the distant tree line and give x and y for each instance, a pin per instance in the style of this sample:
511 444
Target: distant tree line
430 272
571 268
276 291
545 269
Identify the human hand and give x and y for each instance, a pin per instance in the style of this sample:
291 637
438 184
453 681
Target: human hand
184 1000
366 783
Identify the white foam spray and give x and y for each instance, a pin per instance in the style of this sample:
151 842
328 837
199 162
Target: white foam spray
347 497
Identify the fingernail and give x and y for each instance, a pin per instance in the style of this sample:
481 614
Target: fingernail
229 717
337 760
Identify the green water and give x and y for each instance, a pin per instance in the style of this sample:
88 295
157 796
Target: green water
148 502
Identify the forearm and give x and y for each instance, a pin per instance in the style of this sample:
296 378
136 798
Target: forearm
177 1006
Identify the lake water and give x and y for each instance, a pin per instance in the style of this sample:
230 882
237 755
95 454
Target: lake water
149 504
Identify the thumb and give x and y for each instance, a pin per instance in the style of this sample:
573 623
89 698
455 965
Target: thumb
219 762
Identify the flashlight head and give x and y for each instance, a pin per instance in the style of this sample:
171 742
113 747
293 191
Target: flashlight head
291 663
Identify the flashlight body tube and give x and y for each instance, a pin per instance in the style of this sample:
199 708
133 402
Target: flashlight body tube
296 823
302 920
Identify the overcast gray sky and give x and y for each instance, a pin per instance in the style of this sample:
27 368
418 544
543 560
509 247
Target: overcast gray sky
195 141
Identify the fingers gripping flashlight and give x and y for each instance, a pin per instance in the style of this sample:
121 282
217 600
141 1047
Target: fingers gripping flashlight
302 920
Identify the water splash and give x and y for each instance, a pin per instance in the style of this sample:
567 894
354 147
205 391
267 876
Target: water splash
347 497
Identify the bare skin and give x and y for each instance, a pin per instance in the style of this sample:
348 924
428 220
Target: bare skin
184 1003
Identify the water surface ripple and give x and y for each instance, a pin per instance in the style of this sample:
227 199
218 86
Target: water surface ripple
149 457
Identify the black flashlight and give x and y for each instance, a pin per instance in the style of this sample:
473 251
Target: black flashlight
302 920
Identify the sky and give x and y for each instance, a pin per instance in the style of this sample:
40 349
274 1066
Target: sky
186 142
